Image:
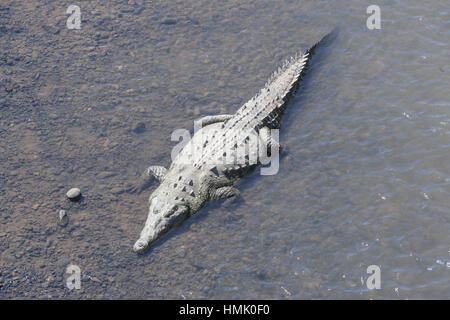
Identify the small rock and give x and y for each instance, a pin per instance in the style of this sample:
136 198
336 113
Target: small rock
47 281
48 243
8 87
95 279
63 218
139 128
74 194
169 22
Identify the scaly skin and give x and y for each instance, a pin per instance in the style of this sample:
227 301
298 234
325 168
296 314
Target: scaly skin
199 172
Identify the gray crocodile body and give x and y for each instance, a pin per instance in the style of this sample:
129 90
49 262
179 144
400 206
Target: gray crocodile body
202 171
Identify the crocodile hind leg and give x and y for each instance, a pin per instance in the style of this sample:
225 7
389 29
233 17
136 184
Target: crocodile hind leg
207 120
143 182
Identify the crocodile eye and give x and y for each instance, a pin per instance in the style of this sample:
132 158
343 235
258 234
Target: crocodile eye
171 211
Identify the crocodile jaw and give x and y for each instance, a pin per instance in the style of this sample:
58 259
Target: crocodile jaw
162 217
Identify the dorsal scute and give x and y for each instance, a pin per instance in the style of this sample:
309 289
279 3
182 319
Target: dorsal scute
264 109
278 86
297 60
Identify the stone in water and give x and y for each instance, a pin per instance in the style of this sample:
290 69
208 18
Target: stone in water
74 194
63 218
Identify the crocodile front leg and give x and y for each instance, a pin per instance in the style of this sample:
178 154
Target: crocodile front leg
143 182
207 120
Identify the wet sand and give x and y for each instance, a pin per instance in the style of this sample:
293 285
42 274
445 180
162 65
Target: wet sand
365 179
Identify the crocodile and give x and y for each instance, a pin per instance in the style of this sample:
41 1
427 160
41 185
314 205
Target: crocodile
199 173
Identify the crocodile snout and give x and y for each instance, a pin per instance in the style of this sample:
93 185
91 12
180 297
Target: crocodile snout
161 218
140 246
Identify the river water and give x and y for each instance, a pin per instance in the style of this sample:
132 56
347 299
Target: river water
364 179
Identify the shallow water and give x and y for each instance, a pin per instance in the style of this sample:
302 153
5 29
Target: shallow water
364 179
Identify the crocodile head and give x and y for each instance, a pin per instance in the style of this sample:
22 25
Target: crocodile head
163 215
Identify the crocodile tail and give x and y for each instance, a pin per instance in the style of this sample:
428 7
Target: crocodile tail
299 63
267 107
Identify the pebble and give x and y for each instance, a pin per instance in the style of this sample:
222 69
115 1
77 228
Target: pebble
139 127
8 87
63 218
169 22
95 279
74 194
